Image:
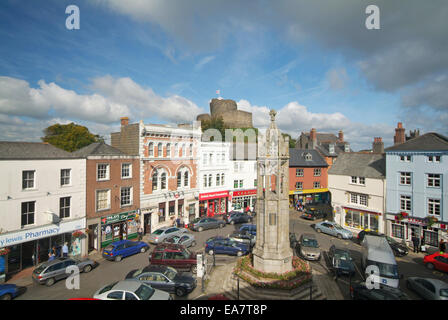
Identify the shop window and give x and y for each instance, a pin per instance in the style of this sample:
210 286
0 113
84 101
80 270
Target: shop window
431 238
171 208
28 210
374 224
397 231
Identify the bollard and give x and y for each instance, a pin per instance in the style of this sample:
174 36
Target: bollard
238 287
214 260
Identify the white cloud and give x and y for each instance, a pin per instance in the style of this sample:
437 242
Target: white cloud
204 61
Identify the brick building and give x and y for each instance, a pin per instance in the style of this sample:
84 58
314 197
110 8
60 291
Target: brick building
168 170
308 177
112 194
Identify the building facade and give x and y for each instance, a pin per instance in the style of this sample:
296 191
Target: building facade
357 183
42 203
308 177
214 178
416 193
243 177
168 170
112 195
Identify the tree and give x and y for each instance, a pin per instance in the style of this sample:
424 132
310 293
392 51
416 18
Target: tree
214 123
292 142
69 137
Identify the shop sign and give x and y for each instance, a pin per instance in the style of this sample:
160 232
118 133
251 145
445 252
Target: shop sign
14 238
118 217
244 193
308 191
212 195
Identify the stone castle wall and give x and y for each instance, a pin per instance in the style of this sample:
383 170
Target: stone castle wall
227 109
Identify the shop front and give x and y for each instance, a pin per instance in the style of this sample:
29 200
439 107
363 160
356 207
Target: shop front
243 199
119 227
27 248
309 196
358 219
213 203
403 229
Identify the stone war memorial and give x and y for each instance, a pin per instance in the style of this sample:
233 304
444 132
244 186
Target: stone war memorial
272 271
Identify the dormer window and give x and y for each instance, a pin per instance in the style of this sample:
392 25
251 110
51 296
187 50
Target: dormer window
308 157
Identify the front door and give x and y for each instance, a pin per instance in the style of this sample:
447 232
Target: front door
147 223
211 208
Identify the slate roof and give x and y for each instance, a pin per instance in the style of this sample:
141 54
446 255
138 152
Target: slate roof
297 158
369 165
98 149
11 150
428 142
324 137
338 148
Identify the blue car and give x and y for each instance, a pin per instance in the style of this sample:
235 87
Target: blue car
124 248
220 245
10 291
250 228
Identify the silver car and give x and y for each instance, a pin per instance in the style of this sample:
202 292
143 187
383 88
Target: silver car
429 289
308 247
131 290
200 224
161 234
185 239
333 229
51 271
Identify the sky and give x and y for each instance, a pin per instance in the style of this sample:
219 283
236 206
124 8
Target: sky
161 61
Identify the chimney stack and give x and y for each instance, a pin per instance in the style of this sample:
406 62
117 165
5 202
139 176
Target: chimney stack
341 136
378 145
124 121
313 138
400 136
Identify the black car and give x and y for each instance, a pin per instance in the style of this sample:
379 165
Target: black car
341 261
359 291
238 217
398 248
165 278
313 214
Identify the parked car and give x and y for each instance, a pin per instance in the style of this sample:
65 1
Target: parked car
244 237
200 224
165 278
220 245
185 239
10 291
436 261
51 271
429 289
161 234
308 247
118 250
398 248
333 229
238 217
131 290
174 255
341 261
313 214
251 228
359 291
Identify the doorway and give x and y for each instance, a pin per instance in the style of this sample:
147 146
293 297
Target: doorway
147 223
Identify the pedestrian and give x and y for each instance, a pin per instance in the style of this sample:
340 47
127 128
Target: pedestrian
51 256
65 250
442 246
422 244
140 233
178 222
415 242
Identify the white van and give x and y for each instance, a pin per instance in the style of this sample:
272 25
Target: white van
377 251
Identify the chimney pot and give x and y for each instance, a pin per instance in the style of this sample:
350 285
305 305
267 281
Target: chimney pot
124 121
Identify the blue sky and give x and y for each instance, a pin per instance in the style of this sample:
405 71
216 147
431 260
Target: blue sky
162 61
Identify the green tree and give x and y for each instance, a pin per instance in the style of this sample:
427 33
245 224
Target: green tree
292 142
214 123
69 137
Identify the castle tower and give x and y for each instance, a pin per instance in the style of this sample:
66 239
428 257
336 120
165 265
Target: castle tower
272 252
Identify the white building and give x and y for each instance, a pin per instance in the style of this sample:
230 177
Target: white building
215 178
243 176
357 184
42 202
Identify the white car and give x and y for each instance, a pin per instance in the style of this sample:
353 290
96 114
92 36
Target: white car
131 290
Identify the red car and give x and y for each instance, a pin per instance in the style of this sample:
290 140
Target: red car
436 261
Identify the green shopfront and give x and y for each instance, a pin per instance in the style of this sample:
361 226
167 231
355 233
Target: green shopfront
119 227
